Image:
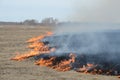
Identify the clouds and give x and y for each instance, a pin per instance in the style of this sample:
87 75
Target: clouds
97 11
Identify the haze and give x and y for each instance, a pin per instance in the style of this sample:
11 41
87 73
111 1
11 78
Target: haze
106 11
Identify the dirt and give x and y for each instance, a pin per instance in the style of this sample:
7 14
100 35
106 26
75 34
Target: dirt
12 40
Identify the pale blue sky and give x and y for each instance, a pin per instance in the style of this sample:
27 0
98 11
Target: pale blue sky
19 10
74 10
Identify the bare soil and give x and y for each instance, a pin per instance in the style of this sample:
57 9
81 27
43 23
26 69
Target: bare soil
12 40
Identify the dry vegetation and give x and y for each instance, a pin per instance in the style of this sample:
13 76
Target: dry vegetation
12 40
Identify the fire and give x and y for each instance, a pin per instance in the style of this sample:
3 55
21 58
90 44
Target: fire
39 37
25 55
37 46
89 68
62 65
65 62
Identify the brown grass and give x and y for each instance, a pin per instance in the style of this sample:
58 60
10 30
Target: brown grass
12 40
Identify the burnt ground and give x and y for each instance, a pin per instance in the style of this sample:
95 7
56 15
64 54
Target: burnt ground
12 40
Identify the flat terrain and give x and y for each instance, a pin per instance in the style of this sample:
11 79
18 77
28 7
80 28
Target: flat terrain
12 40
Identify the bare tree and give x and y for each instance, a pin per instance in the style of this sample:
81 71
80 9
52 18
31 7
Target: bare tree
49 21
30 22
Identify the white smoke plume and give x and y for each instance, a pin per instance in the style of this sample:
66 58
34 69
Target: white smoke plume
97 33
105 11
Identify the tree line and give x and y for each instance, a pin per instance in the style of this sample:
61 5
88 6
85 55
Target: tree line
44 22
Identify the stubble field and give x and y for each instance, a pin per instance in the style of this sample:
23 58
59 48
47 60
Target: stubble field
12 40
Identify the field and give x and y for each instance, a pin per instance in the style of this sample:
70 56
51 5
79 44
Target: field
12 40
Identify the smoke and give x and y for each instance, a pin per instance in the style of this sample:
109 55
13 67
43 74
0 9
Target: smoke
98 38
89 38
96 11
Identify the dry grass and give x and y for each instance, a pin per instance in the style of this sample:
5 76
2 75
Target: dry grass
12 39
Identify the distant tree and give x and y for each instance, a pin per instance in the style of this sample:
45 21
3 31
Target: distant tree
30 22
49 21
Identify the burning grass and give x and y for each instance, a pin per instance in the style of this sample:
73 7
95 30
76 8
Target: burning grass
43 51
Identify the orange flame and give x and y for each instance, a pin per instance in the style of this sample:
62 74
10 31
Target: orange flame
63 65
39 37
25 55
37 46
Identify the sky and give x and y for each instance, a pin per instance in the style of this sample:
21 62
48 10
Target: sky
18 10
64 10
